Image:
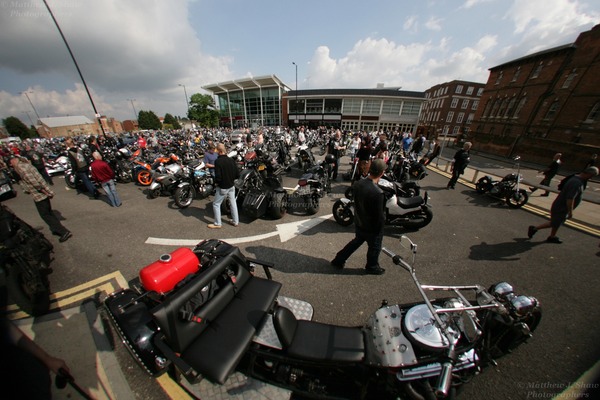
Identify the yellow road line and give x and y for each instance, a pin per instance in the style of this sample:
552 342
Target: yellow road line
172 389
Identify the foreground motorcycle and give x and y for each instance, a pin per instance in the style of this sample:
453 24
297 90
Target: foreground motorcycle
25 257
314 184
203 314
507 189
408 212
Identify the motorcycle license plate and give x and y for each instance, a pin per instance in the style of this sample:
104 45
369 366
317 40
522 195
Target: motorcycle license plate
302 191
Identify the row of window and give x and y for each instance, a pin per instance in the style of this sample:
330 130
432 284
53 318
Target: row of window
504 108
458 90
355 107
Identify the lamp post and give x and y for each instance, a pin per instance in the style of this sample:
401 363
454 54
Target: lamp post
34 110
296 120
132 106
186 99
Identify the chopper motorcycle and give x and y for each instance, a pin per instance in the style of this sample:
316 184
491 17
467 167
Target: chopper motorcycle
198 182
507 189
204 313
25 257
412 212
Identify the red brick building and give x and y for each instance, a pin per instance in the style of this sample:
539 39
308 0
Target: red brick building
544 103
450 108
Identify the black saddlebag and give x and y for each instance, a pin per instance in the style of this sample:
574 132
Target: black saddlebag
255 204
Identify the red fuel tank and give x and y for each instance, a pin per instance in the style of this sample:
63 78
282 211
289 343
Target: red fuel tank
161 276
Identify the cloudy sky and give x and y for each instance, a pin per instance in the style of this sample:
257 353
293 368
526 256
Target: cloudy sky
135 54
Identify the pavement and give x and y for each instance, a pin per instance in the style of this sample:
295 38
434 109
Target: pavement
78 334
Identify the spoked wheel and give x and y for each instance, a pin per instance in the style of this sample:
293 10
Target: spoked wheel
517 199
483 184
279 205
144 177
184 196
342 213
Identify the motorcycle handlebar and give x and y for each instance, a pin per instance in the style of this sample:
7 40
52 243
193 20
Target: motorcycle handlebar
396 259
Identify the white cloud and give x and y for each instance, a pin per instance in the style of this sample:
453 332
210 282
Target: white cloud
410 24
434 24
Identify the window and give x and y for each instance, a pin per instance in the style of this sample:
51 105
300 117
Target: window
594 113
516 75
537 70
455 130
314 106
479 91
502 108
450 116
495 108
470 90
454 103
470 118
520 107
391 107
333 105
552 110
488 106
460 118
510 108
351 106
371 107
499 77
459 89
475 105
411 108
465 104
569 79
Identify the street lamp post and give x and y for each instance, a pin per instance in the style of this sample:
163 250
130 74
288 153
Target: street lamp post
34 110
186 99
296 119
132 106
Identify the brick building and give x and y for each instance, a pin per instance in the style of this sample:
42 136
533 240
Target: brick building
544 103
450 108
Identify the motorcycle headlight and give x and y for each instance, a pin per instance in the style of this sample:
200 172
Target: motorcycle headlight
502 290
523 305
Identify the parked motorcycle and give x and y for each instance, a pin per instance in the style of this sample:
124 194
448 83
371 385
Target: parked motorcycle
408 212
259 189
406 168
57 165
25 257
198 182
314 184
203 314
305 157
166 180
507 189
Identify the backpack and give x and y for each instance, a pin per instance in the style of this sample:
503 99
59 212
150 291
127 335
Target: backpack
563 181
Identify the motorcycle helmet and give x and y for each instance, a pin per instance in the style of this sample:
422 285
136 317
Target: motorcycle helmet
330 159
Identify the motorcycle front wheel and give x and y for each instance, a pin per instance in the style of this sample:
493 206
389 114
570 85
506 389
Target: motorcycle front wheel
30 293
70 180
153 193
517 199
342 213
144 177
184 196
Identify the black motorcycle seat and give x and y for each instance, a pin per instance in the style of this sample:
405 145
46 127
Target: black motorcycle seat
219 349
409 202
315 341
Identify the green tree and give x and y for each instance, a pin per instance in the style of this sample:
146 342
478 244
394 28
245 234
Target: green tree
171 122
202 109
148 120
15 127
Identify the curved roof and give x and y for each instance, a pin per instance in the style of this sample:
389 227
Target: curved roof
254 82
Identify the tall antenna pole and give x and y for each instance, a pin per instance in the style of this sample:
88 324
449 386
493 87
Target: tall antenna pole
76 66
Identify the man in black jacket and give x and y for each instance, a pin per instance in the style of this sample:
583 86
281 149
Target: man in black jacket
226 172
369 203
461 159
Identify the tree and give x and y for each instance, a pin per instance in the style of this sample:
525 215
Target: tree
15 127
171 122
202 109
148 120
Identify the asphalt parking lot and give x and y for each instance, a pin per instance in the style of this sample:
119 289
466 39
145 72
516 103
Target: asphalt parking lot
472 239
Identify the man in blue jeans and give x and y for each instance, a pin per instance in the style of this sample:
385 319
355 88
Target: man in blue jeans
369 203
226 172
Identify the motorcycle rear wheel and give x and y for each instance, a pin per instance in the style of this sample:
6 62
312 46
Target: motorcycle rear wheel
312 204
482 185
342 213
418 221
184 196
517 199
278 205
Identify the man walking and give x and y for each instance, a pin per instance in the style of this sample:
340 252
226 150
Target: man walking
549 173
33 184
226 172
369 220
461 159
564 204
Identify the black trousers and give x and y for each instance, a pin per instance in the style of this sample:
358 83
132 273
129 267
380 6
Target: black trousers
45 210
